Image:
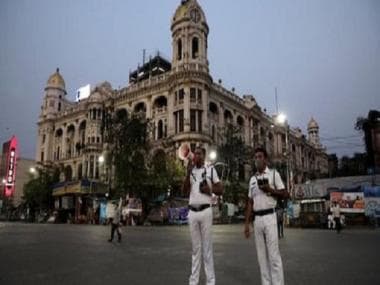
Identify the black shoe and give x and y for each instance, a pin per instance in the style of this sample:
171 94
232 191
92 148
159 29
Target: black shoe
119 240
110 240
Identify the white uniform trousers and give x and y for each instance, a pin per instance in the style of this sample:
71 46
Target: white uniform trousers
268 253
201 238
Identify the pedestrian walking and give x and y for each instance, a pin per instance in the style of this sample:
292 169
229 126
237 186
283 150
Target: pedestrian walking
116 223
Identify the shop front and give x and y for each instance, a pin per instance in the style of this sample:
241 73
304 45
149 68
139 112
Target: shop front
78 201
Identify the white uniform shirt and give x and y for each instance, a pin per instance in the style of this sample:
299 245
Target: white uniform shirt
262 201
196 176
336 211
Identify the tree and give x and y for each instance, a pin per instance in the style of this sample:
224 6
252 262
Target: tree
136 170
38 190
234 153
128 140
352 166
166 172
366 125
333 165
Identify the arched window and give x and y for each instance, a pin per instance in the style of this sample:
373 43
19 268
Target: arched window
179 49
228 117
122 114
160 130
140 108
240 121
195 47
68 171
80 171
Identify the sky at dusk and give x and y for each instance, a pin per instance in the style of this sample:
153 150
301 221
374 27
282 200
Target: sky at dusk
323 56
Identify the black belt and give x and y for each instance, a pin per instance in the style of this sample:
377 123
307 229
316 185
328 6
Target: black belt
264 212
199 208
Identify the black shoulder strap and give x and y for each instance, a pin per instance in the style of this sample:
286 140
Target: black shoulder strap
192 175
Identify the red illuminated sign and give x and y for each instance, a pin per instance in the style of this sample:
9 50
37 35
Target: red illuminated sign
10 177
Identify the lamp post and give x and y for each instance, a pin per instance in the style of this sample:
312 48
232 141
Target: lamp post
281 119
213 155
101 160
107 160
32 170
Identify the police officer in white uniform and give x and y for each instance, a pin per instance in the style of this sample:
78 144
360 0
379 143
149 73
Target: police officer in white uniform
200 183
264 189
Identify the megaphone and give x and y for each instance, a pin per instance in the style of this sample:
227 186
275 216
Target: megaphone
184 152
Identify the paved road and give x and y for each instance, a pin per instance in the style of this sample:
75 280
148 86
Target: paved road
80 254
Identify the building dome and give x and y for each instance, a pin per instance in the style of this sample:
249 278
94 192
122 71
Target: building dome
189 10
95 97
312 124
56 81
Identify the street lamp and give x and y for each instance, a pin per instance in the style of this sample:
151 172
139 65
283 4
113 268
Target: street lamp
281 119
213 155
106 159
32 170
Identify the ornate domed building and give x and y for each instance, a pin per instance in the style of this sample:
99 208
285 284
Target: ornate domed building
182 101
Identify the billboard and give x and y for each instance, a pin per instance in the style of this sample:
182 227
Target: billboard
372 201
309 191
10 154
293 210
349 202
83 93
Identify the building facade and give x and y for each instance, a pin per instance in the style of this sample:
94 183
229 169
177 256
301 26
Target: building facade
183 102
23 167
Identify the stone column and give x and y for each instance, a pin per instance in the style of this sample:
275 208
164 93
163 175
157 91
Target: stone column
205 100
247 131
170 115
64 144
221 122
186 109
49 143
148 104
95 166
